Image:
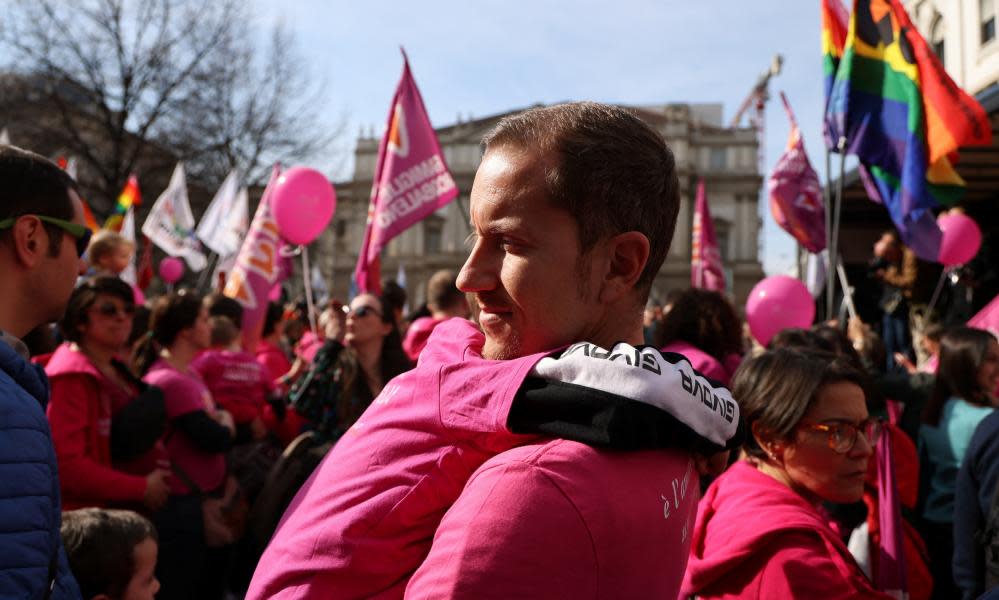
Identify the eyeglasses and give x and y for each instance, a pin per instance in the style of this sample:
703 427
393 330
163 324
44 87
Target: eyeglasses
842 436
110 309
362 311
82 233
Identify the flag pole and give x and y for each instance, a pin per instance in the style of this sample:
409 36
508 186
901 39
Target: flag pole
307 279
834 240
828 215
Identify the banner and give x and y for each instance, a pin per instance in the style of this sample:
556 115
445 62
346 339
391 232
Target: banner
170 224
705 259
260 267
890 577
224 224
411 179
795 192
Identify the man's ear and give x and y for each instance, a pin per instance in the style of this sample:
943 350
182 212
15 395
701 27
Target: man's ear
30 242
627 254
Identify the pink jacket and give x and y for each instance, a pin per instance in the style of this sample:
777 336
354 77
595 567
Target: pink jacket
704 363
530 523
756 538
365 521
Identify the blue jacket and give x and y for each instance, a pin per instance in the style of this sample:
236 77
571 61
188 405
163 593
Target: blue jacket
976 484
30 514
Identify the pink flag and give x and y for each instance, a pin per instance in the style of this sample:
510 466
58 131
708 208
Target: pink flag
796 194
411 179
987 318
260 267
890 573
705 258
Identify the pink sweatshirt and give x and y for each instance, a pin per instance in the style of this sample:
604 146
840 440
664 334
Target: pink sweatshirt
756 538
532 524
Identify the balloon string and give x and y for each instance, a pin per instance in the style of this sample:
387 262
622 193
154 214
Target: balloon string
288 250
307 277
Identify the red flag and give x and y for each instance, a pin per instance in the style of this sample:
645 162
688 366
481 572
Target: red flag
705 258
890 574
796 194
145 267
411 179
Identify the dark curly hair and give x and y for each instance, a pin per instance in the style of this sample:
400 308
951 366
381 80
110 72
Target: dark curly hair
704 319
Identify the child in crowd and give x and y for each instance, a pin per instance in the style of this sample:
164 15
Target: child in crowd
109 252
112 553
236 380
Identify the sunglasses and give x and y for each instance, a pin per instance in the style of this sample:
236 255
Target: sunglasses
81 233
110 309
362 311
842 437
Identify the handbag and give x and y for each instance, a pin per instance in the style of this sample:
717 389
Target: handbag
224 511
137 427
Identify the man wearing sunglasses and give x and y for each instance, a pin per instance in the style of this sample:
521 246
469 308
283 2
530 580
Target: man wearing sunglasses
42 237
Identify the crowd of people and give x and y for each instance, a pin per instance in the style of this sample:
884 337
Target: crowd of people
528 432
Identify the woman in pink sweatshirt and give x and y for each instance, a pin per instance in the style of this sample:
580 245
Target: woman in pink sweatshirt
760 530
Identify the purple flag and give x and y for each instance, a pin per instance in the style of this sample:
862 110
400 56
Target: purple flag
796 194
705 258
891 561
260 267
411 180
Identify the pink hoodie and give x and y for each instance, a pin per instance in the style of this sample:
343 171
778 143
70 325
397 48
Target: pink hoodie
756 538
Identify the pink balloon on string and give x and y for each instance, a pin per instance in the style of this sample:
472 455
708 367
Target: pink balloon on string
303 204
777 303
171 269
961 239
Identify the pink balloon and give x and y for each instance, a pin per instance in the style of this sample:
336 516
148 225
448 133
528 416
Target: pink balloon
961 239
303 204
777 303
171 269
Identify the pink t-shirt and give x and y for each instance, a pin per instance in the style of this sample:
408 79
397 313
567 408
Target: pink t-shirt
362 524
273 359
183 393
560 519
236 380
417 335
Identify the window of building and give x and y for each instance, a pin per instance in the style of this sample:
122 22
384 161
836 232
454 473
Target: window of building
433 230
987 17
718 159
937 33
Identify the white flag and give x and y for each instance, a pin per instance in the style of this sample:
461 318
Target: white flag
224 224
128 232
170 224
71 171
4 137
815 272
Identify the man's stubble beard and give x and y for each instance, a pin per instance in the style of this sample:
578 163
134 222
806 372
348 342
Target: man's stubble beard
509 349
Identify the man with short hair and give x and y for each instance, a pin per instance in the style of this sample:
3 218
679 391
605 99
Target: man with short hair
500 466
444 301
42 237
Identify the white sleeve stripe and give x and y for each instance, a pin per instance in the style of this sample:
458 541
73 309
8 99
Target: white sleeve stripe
646 375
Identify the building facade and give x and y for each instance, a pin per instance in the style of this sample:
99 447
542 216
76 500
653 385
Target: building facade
963 34
725 157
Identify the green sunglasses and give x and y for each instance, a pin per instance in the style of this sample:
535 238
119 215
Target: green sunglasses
81 233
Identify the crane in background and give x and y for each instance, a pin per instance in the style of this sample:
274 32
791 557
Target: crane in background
755 104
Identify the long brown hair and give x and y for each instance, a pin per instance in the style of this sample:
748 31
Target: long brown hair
962 352
171 315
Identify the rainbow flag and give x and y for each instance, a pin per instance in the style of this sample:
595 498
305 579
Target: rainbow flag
834 29
902 116
130 195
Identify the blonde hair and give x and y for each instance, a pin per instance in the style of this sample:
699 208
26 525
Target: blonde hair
104 243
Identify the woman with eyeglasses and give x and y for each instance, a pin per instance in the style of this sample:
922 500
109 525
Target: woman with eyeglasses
760 530
345 377
89 385
962 397
197 437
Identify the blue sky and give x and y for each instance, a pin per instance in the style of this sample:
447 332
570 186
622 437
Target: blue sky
483 57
